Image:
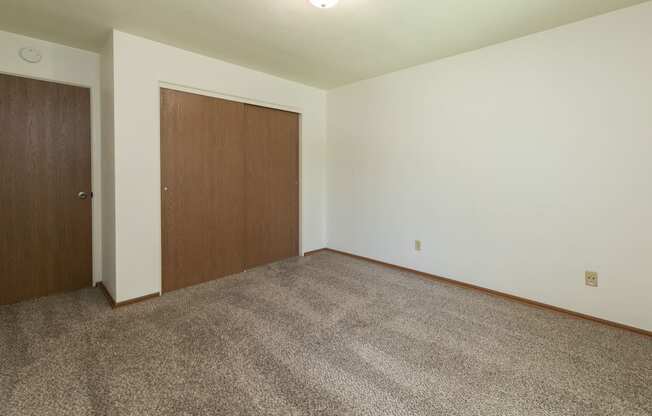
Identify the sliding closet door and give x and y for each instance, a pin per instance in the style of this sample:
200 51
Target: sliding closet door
202 179
271 140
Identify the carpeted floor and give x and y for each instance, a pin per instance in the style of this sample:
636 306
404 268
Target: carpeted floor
327 335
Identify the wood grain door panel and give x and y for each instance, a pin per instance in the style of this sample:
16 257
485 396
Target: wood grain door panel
230 197
272 185
202 168
45 160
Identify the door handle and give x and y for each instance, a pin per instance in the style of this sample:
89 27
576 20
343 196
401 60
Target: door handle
84 195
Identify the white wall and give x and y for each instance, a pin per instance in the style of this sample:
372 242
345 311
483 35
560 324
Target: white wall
140 66
68 66
108 173
520 166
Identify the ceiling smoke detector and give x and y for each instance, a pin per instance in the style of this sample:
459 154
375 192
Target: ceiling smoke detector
30 55
324 4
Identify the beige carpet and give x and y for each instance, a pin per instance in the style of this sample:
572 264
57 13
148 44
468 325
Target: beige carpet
326 335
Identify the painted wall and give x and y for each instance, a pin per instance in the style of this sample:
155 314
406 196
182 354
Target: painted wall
140 66
68 66
108 173
519 166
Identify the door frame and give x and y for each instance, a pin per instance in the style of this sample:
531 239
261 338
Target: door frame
239 99
96 169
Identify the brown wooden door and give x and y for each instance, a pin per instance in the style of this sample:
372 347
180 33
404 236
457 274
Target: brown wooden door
202 174
272 185
45 161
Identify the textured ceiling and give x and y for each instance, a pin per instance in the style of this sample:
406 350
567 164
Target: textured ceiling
358 39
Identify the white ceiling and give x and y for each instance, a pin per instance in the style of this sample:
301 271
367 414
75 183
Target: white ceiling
358 39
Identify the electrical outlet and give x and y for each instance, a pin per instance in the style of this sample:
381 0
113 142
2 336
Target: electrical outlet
591 278
417 245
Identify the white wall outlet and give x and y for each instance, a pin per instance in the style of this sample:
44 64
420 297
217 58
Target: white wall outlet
591 278
417 245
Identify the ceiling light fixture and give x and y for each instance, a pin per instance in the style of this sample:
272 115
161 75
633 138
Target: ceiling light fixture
324 4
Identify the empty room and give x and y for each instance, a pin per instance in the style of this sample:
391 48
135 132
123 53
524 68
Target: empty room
326 207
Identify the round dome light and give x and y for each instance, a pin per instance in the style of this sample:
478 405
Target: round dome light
324 4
